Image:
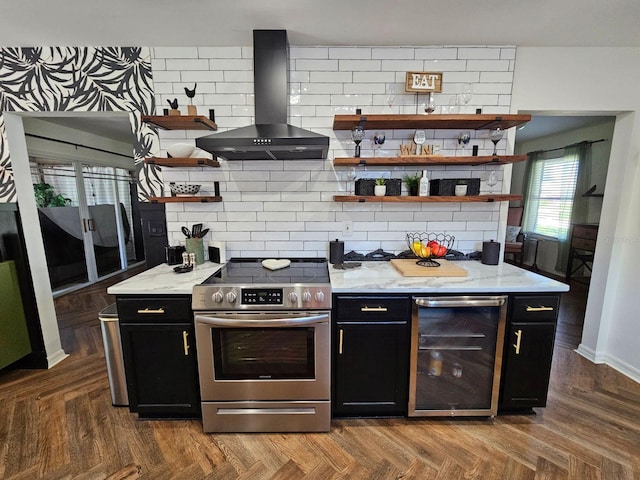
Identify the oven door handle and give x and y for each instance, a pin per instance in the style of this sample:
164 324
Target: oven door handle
437 302
261 323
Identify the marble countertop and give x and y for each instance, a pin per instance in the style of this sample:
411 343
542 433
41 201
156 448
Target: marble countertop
382 277
162 280
370 277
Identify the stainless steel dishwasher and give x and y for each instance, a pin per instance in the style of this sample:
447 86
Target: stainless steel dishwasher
456 355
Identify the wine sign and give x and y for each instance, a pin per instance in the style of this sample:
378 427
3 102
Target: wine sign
424 82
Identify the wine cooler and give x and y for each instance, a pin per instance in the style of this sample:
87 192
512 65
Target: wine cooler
456 355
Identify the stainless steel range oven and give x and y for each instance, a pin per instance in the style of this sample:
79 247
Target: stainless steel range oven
264 354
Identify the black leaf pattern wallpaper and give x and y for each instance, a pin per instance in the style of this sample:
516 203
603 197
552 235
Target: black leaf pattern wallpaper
83 79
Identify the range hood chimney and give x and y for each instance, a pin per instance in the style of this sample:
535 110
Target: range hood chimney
271 138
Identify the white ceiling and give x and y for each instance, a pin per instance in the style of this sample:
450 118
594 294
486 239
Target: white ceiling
321 22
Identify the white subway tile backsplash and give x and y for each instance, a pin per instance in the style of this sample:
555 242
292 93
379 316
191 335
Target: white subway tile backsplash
350 53
359 65
287 208
311 64
174 52
436 53
219 52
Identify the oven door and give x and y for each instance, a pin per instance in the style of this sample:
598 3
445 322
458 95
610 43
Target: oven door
263 355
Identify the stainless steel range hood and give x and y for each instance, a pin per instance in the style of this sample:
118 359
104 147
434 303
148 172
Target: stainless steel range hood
271 138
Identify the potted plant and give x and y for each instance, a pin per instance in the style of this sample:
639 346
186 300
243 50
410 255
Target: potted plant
380 188
46 196
413 183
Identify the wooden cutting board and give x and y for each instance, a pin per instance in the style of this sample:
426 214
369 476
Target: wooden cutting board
408 268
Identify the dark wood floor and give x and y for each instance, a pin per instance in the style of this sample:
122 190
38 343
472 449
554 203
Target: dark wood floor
59 424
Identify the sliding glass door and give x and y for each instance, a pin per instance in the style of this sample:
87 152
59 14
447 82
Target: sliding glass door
85 220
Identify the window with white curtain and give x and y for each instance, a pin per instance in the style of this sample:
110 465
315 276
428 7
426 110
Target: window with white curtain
550 200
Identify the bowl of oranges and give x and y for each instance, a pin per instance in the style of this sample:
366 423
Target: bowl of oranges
429 246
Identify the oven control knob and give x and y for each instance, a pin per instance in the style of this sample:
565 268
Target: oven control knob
217 297
293 297
231 296
320 296
306 296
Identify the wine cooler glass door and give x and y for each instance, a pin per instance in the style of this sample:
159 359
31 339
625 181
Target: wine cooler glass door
456 354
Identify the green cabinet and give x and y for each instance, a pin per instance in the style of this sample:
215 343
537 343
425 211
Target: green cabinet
14 336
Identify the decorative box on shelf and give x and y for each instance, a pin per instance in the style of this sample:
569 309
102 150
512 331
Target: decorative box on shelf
365 186
446 186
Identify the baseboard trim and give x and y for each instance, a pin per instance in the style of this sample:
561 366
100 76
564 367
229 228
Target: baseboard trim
620 366
56 357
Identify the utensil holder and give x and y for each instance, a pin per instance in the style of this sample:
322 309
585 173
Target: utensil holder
196 246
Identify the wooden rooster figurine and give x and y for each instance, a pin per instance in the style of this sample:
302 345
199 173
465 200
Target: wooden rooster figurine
190 94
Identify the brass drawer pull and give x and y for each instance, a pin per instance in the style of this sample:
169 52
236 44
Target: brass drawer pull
539 309
340 342
373 309
151 310
518 339
185 334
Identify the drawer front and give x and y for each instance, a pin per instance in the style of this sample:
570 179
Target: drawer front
154 310
535 308
583 244
372 308
582 231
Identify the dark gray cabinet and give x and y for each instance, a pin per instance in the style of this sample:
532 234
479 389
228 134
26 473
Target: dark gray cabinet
528 351
371 355
159 349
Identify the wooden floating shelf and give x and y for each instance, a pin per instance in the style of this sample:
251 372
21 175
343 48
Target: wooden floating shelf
428 160
202 199
180 122
462 121
433 199
181 162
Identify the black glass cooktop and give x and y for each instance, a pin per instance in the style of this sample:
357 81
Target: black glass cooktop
248 271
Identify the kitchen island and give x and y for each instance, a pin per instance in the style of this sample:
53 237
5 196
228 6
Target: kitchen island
383 336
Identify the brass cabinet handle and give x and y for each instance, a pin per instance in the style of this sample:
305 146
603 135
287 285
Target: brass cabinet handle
185 343
518 339
151 310
373 309
340 341
541 308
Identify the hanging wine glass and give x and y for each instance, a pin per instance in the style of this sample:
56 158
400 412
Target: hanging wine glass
351 176
495 135
378 140
464 138
357 135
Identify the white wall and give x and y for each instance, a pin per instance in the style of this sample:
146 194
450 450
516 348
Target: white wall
599 81
277 208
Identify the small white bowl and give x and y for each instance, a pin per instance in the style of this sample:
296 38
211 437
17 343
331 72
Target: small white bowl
200 153
181 150
184 189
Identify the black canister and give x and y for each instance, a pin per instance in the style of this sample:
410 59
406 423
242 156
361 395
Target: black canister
490 253
336 252
174 254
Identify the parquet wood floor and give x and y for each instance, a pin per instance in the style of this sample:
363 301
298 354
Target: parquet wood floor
60 424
